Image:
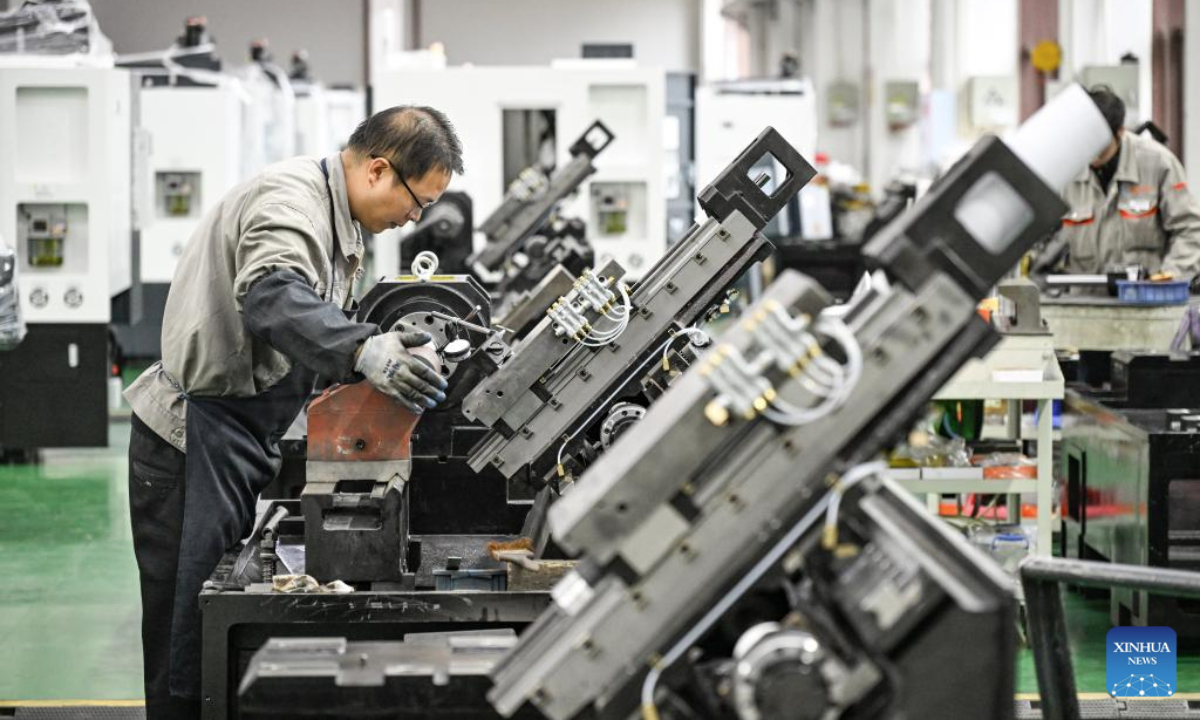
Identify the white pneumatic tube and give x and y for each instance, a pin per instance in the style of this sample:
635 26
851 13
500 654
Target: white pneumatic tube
1055 143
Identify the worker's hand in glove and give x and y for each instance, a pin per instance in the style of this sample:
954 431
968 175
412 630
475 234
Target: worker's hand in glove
387 364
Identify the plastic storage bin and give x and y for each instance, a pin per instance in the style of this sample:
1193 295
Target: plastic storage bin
1140 292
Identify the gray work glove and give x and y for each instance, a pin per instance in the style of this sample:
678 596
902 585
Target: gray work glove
386 363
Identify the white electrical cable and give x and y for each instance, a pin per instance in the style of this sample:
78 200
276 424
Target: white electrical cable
591 292
838 384
626 306
741 380
852 477
169 59
788 341
823 377
599 338
702 337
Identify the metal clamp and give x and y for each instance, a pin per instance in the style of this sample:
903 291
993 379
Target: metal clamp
735 190
593 140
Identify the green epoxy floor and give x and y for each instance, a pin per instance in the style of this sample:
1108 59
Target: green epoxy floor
70 613
1088 625
69 607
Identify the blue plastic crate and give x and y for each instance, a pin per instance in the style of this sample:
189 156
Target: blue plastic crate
1140 292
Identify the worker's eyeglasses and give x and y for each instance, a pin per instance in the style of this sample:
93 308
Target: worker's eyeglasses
400 177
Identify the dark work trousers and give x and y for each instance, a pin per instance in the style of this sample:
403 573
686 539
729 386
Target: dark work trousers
182 528
156 493
188 524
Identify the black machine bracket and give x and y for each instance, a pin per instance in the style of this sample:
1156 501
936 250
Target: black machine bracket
734 189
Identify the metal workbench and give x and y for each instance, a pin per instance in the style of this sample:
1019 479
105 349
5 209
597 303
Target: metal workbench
1102 323
236 621
1019 368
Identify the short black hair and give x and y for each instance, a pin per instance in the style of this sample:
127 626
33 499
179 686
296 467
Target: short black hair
414 139
1111 106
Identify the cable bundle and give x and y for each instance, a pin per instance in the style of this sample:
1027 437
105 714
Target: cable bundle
793 345
590 292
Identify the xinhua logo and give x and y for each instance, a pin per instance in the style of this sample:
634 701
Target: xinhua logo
1141 662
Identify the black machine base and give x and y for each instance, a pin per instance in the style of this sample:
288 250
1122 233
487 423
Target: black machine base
142 338
55 389
239 614
1131 498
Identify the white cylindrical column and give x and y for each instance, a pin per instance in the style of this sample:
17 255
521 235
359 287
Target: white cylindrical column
1062 137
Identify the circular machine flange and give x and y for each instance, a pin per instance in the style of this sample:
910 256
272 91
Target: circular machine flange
620 418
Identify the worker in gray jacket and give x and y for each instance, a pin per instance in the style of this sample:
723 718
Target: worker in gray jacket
256 312
1131 207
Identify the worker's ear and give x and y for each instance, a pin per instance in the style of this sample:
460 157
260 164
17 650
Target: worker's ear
377 170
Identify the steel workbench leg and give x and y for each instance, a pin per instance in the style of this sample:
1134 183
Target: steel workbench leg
1012 501
214 664
1045 476
1051 650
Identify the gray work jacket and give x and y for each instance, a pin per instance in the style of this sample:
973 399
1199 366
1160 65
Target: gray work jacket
279 219
1148 217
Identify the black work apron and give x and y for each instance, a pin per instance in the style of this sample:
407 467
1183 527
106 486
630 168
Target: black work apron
232 455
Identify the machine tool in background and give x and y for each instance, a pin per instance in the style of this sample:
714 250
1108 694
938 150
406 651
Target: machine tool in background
269 125
679 136
65 207
513 117
446 230
837 262
533 250
52 28
812 234
727 112
561 242
547 405
720 546
181 172
1131 495
326 115
195 49
12 325
528 206
898 196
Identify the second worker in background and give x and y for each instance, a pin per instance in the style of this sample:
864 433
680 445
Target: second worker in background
1132 207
